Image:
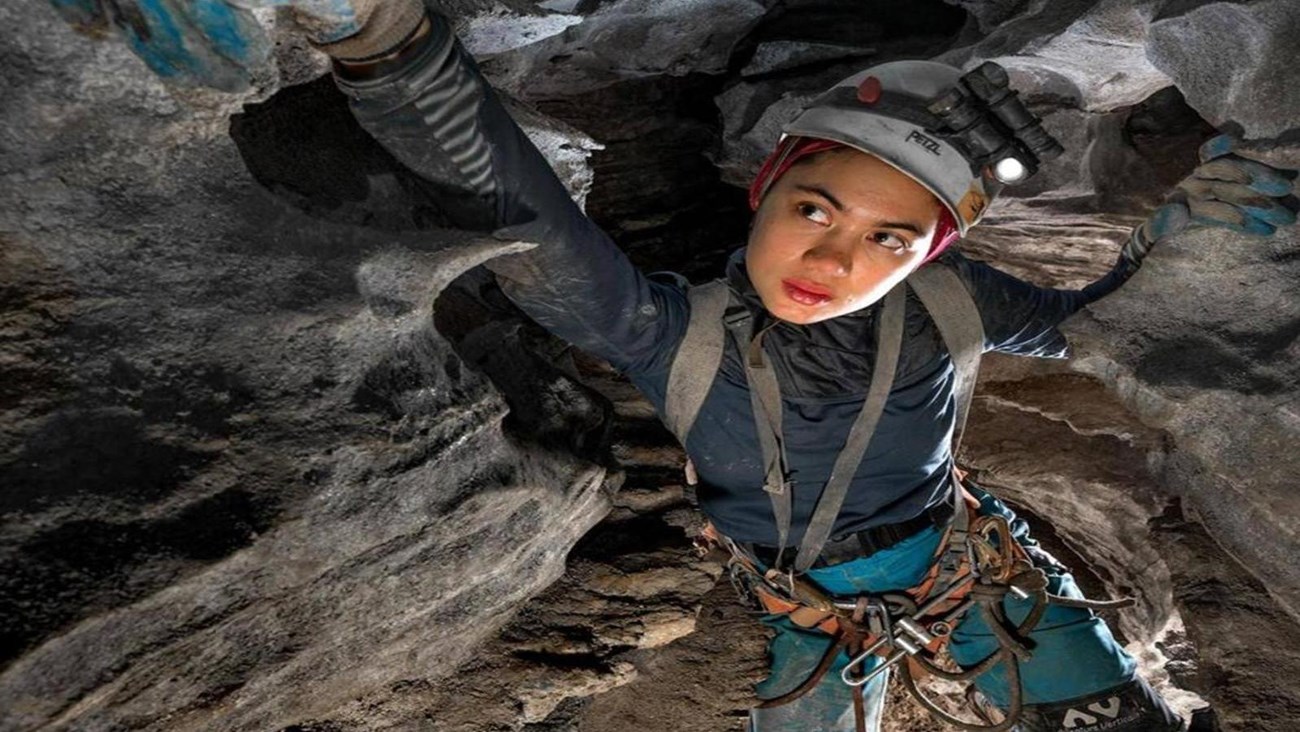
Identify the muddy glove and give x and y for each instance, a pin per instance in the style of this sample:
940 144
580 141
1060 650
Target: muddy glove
1226 191
186 42
220 44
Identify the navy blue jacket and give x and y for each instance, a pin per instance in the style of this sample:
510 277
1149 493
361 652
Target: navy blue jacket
441 119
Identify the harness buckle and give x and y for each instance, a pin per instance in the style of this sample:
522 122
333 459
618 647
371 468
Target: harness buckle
737 575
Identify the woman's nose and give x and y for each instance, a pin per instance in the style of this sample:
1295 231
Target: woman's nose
830 257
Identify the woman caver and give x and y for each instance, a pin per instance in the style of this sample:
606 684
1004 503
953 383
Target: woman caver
864 190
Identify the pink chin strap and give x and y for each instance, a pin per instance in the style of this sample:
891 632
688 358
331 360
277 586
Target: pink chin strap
792 149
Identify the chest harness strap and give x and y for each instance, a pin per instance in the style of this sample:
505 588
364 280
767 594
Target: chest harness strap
699 356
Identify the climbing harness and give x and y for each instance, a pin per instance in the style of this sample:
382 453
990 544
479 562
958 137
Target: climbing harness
908 630
977 564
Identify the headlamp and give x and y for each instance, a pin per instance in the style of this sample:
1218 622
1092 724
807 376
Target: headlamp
1010 170
984 117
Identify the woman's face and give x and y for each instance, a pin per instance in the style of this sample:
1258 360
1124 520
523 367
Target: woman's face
835 233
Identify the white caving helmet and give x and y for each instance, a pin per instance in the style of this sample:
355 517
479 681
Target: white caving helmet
962 136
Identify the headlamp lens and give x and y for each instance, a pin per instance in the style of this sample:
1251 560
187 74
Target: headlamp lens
1010 170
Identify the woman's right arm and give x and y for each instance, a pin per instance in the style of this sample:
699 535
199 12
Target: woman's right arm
438 116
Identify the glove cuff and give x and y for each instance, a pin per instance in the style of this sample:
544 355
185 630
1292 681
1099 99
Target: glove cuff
1136 247
387 27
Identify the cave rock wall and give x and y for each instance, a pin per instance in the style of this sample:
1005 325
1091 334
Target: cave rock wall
246 481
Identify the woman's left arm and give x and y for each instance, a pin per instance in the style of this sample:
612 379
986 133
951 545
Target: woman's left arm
1226 191
1019 317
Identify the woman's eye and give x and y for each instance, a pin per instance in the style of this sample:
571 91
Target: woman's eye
890 241
813 213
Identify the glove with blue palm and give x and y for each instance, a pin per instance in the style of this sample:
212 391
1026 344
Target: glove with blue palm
220 44
1226 191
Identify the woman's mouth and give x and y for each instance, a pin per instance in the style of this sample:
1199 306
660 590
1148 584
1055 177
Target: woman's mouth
805 292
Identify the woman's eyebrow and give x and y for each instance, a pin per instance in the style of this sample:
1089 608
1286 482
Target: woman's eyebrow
823 193
904 225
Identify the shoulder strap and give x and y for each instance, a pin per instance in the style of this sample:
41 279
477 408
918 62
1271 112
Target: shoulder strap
694 369
698 357
765 401
958 319
956 316
889 343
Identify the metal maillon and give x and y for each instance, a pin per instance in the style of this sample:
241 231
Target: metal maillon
909 630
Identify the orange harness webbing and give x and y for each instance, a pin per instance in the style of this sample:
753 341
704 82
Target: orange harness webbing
822 612
999 559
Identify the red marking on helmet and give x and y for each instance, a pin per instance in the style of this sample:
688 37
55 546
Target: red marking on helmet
869 90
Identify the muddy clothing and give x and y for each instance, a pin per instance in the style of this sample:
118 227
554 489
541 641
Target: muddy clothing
437 115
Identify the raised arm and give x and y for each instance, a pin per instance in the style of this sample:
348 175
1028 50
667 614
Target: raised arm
421 96
1022 318
1226 191
434 111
